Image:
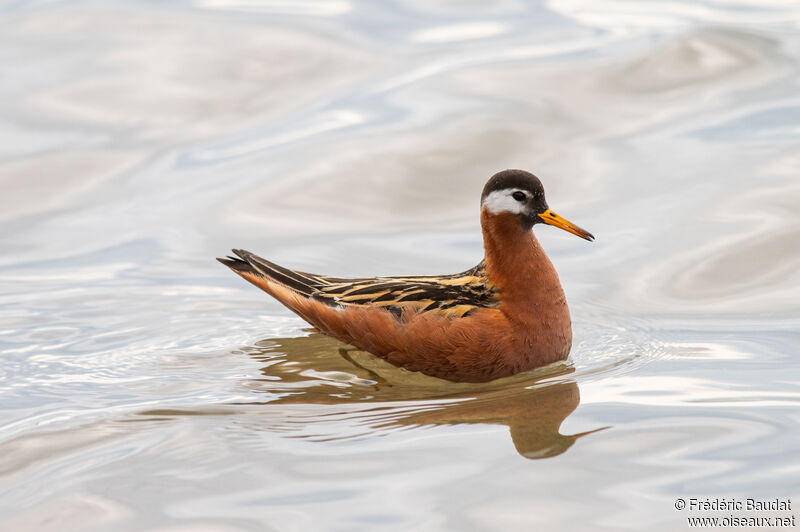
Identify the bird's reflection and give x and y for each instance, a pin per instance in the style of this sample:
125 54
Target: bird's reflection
316 369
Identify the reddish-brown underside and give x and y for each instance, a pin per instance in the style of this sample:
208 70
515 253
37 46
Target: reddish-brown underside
530 328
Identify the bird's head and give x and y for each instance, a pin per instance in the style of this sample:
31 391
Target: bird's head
521 193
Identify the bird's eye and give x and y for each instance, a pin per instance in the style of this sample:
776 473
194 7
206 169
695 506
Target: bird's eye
519 196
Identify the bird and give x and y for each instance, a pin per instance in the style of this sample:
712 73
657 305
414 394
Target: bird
506 315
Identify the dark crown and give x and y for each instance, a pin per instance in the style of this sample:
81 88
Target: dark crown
513 179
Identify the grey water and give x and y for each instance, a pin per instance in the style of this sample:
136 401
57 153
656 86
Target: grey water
143 386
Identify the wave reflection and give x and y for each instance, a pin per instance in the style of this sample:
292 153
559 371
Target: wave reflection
372 394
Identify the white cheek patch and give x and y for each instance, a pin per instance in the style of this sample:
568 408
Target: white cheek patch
502 201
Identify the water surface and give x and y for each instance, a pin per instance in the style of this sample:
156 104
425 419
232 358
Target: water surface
145 387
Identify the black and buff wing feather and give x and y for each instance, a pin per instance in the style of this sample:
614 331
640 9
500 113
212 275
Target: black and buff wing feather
451 295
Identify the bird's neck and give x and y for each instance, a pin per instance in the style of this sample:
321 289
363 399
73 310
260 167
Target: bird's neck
517 266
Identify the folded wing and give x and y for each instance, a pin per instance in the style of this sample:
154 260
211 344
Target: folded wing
449 295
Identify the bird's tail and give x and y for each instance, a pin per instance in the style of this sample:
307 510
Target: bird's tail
254 269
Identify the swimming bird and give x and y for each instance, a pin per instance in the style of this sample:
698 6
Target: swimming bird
507 314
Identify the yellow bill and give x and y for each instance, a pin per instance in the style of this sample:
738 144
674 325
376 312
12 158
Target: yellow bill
551 218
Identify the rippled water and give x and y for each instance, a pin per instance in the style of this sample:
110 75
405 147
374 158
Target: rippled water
143 386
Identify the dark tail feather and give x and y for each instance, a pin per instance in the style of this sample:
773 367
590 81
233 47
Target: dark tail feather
237 265
255 265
